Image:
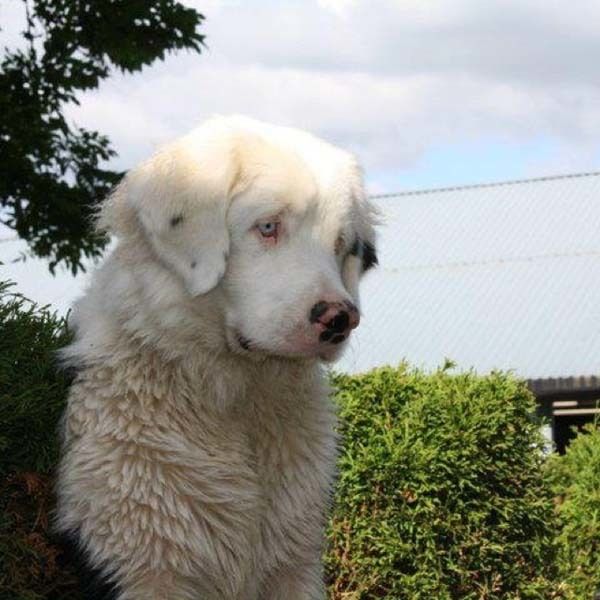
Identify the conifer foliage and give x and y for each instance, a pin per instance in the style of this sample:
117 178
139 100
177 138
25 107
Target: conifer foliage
576 483
32 398
442 492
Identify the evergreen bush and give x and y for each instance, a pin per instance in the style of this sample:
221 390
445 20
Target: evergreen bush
441 492
32 398
576 480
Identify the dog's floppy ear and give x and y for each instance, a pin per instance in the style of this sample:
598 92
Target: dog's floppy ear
181 197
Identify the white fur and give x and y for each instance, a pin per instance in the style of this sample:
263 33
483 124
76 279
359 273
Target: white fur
194 468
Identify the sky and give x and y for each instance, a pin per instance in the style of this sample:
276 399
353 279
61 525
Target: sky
427 93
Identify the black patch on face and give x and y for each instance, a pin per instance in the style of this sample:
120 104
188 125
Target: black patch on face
176 220
193 264
369 257
366 251
338 339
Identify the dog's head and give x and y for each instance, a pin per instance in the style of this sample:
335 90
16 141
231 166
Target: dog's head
271 221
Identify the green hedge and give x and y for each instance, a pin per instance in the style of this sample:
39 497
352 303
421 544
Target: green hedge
576 483
32 397
33 389
444 490
441 491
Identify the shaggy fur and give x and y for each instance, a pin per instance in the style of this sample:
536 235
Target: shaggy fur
199 443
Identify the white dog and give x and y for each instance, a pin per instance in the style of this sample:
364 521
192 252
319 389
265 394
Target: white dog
199 444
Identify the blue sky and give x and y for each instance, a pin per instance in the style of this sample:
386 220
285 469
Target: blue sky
477 161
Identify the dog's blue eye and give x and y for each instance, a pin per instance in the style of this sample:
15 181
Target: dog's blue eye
268 229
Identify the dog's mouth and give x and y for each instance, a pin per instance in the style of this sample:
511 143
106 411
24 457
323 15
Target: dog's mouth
243 342
239 343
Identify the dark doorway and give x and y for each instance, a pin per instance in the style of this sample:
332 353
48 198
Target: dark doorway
566 428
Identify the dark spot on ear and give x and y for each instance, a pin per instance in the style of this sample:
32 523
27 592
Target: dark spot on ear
193 264
366 252
176 220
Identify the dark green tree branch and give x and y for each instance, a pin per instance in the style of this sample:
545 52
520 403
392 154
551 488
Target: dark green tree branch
51 171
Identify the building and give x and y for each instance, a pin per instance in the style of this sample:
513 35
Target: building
495 276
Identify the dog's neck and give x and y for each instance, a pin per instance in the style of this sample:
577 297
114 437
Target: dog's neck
139 309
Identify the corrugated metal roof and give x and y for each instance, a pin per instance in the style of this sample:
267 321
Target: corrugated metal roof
494 276
491 276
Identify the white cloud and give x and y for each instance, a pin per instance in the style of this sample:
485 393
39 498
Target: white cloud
13 21
389 121
389 79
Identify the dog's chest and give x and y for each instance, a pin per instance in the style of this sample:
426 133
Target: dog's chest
287 436
292 447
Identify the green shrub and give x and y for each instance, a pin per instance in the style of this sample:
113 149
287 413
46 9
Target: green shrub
441 492
32 398
33 390
576 479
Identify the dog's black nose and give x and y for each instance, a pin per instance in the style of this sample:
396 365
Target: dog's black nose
336 328
318 310
339 323
334 320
